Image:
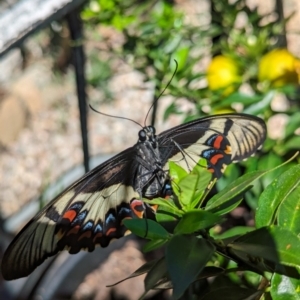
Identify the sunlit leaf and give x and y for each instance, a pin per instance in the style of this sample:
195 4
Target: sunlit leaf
195 220
274 243
285 288
276 193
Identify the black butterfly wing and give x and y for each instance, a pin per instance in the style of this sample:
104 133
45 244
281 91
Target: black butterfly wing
88 213
91 211
220 139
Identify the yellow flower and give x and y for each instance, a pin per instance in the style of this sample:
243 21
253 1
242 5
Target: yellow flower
223 73
279 67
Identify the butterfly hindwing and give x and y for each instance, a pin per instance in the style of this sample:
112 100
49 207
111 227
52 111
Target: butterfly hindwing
90 212
220 139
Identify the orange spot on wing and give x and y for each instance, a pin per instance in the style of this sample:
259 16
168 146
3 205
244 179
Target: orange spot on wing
215 158
154 207
70 215
228 149
110 230
211 170
218 141
74 230
139 214
98 235
86 234
136 204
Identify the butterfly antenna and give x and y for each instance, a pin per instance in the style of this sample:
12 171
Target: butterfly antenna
155 101
117 117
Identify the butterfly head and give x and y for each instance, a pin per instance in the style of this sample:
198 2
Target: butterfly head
147 134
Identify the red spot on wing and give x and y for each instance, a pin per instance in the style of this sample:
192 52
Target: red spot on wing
215 158
211 170
98 235
70 215
110 230
137 207
74 230
218 141
86 234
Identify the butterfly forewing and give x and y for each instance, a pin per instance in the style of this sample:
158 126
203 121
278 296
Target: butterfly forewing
92 210
88 213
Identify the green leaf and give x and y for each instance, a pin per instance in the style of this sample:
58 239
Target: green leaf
289 212
157 272
285 288
163 215
193 186
187 187
163 284
146 228
171 109
291 144
232 173
232 293
210 271
275 194
292 125
154 244
206 273
235 231
190 187
168 204
234 189
252 278
196 220
180 56
275 244
229 205
204 184
260 106
141 270
238 98
238 187
171 46
186 256
268 162
176 172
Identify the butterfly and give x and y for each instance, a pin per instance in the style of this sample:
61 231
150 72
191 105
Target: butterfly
90 212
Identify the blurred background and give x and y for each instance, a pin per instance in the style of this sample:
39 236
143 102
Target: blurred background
118 56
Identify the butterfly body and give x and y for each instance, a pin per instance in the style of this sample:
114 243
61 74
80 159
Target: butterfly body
91 211
150 174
